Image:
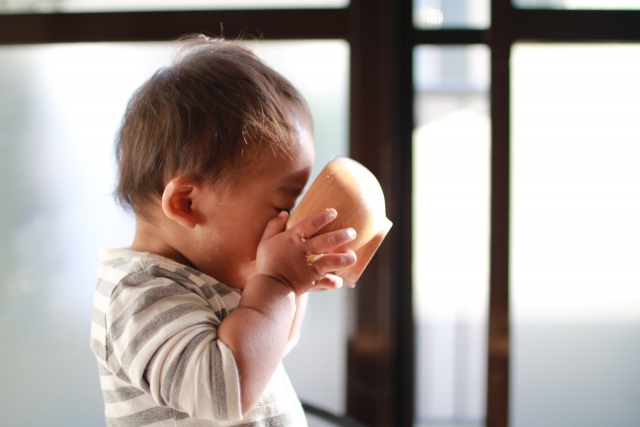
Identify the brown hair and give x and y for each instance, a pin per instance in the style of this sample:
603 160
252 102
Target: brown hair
196 117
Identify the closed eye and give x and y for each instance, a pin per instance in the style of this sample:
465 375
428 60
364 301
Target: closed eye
289 195
284 209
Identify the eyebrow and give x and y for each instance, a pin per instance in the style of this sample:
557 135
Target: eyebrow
295 181
296 188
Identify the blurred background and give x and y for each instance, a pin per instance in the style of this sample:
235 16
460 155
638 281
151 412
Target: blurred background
573 132
60 108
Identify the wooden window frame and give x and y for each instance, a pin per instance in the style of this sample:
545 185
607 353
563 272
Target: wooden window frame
380 361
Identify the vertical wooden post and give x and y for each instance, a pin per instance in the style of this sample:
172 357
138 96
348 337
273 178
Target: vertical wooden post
380 352
501 38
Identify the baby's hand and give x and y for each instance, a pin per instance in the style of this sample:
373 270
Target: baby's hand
304 263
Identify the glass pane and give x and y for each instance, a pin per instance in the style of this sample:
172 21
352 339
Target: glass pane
52 6
59 109
575 236
577 4
451 147
435 14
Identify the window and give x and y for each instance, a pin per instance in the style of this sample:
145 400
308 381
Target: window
435 14
451 181
57 6
577 4
61 106
575 300
383 38
530 169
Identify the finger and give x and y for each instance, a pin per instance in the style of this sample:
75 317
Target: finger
310 226
276 225
327 242
326 263
329 281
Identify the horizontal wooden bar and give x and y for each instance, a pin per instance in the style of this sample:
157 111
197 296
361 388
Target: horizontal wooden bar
577 25
457 36
153 25
531 24
548 26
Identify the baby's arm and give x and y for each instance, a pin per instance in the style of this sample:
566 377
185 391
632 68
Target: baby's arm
298 317
258 331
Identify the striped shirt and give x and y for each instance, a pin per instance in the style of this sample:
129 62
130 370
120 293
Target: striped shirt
154 333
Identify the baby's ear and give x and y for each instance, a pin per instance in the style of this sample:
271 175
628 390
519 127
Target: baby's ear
177 199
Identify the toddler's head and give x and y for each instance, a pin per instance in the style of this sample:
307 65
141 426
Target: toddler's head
210 149
204 118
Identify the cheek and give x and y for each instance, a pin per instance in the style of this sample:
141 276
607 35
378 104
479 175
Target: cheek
243 229
260 224
247 237
253 233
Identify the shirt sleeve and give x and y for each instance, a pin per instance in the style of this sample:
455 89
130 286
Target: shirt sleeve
162 338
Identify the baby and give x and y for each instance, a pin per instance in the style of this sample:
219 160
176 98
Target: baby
191 322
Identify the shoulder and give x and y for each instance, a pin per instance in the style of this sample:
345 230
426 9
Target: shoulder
125 274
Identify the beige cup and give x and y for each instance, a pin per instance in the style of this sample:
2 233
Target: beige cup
353 191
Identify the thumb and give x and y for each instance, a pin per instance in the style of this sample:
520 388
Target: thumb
276 225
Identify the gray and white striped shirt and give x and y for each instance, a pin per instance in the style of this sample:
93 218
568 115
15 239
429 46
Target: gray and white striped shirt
154 333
